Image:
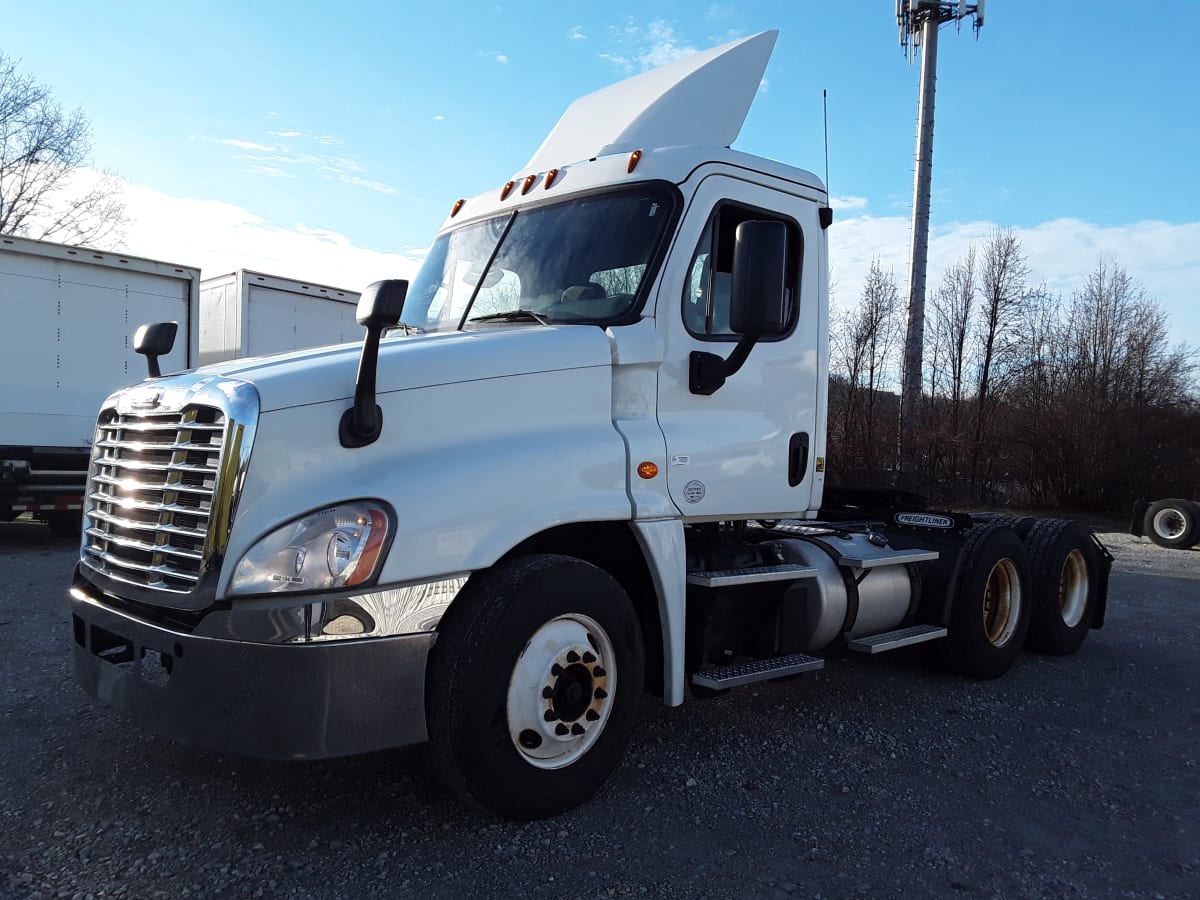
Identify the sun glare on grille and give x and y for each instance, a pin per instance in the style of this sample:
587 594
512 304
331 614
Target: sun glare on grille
150 495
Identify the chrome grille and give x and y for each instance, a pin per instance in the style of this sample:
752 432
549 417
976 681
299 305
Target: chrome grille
151 490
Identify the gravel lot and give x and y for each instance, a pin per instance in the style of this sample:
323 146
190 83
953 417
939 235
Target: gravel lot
1071 777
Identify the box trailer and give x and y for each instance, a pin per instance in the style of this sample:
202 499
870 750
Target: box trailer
248 313
67 315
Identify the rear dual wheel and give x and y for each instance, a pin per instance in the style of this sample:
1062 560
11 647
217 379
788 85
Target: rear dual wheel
534 684
1065 574
989 614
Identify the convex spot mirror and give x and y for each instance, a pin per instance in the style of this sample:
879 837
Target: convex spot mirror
758 301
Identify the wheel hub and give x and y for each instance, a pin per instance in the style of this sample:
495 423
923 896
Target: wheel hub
560 693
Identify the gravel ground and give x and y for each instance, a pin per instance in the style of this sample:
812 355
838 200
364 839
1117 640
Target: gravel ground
1070 777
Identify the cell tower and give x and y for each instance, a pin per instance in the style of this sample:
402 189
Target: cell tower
919 21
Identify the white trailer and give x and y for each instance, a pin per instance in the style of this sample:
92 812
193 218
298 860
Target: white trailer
580 457
247 313
67 315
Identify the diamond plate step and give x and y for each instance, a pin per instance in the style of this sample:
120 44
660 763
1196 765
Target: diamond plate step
721 677
891 640
757 574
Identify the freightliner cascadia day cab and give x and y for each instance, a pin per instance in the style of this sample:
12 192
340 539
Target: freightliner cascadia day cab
581 457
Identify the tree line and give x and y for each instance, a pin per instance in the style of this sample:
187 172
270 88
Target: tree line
1031 398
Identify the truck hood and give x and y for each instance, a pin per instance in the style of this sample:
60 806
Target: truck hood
416 361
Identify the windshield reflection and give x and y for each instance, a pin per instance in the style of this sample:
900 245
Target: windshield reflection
582 260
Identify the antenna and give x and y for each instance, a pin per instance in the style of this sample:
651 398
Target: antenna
919 21
825 108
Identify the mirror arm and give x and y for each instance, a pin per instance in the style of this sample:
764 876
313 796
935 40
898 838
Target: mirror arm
707 371
363 422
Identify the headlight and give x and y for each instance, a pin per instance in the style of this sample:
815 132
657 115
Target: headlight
339 546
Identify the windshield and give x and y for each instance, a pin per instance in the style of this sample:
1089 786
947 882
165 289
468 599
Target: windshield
582 260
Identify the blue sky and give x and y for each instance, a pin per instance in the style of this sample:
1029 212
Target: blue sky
328 141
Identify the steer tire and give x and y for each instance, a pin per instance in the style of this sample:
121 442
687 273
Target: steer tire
535 645
1064 568
989 613
1174 524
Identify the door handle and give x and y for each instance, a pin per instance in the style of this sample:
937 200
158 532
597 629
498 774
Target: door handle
797 458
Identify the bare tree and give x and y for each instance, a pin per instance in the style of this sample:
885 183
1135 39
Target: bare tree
865 342
42 152
1003 274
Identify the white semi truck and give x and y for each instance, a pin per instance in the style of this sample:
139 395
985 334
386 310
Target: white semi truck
66 317
579 458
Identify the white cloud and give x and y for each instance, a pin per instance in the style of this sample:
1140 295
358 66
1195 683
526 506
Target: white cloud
501 58
576 34
273 171
439 118
289 133
377 186
221 237
245 145
1162 256
848 202
663 46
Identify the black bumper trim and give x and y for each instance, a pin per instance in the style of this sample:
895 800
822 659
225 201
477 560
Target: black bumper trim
277 701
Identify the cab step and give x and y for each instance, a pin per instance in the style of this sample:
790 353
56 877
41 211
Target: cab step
750 575
721 677
893 640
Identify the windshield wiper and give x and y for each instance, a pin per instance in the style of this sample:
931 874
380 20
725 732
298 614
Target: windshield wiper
513 315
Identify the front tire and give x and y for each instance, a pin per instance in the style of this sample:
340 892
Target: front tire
1174 524
534 684
1064 573
989 615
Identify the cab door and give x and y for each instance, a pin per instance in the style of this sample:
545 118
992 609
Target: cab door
748 448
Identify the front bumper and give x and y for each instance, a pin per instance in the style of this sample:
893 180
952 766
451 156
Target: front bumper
279 701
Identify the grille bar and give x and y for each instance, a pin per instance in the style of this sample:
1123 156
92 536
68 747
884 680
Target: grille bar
142 465
135 544
132 484
162 571
198 534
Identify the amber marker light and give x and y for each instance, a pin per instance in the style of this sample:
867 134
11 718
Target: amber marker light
529 180
550 176
507 189
458 204
647 469
634 158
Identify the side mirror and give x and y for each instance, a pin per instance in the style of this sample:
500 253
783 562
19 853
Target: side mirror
154 340
382 303
759 290
379 307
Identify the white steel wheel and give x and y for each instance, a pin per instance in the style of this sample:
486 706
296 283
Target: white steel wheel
561 691
526 713
1169 524
1073 588
1002 602
1174 524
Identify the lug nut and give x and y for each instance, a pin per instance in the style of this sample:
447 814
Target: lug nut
572 657
561 730
598 672
591 715
600 694
589 658
576 729
549 715
547 692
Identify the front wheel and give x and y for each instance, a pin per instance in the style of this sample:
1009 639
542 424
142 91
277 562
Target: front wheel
989 614
534 684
